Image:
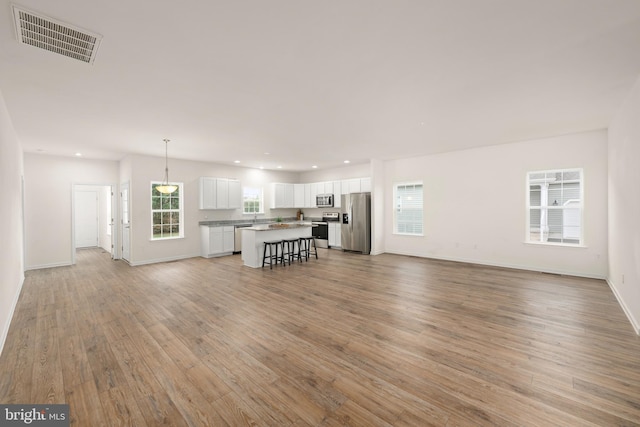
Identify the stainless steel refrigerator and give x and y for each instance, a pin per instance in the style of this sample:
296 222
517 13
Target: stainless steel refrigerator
356 222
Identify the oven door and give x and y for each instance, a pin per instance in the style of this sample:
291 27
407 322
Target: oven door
321 233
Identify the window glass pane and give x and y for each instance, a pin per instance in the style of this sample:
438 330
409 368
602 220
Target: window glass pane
408 209
252 200
166 212
534 195
175 203
555 212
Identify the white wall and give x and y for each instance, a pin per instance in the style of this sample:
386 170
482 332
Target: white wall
49 182
11 250
474 203
142 170
624 206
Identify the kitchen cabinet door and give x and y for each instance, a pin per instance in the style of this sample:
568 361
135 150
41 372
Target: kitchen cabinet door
282 195
207 193
307 196
365 185
314 193
354 185
298 196
337 193
228 239
335 235
235 194
277 195
288 196
216 242
222 196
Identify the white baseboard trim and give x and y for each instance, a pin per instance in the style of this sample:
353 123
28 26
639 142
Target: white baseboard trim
505 265
634 323
5 330
52 265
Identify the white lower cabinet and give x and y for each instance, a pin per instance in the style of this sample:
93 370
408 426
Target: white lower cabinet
335 235
216 241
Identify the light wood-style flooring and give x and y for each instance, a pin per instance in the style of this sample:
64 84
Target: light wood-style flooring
343 340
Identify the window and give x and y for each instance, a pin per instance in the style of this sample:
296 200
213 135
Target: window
554 207
252 201
407 218
166 213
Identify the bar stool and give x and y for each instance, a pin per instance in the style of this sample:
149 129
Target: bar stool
289 250
305 248
273 257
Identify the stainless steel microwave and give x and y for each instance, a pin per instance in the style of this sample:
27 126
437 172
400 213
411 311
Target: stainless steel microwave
324 200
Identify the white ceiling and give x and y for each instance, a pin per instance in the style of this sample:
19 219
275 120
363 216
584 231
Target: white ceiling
318 82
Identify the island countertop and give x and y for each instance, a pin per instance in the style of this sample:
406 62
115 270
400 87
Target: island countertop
278 226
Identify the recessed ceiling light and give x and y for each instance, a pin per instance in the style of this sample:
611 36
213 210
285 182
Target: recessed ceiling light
314 166
347 161
236 161
279 167
261 167
266 154
78 154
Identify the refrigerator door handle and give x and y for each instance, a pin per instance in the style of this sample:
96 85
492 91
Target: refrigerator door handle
351 214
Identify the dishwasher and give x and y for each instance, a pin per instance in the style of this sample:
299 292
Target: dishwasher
237 245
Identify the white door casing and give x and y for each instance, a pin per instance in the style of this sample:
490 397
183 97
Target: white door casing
125 219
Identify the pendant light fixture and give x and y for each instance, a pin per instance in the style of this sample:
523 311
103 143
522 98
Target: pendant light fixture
165 188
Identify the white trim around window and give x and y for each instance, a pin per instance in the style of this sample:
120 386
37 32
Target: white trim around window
555 207
408 208
167 213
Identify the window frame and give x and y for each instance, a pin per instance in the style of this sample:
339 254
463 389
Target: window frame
179 210
261 200
551 208
396 187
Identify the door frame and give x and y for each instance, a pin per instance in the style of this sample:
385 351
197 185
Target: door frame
125 185
115 229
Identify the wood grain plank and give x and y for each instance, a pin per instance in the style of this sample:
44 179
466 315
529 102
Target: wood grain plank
342 340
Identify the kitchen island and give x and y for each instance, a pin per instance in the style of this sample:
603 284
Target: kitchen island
253 238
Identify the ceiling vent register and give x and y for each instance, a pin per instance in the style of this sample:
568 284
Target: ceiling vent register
54 36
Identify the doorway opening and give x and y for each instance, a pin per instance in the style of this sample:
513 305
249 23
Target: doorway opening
93 223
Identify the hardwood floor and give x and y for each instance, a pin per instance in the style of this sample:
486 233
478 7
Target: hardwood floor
343 340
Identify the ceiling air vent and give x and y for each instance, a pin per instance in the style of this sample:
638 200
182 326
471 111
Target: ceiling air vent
54 36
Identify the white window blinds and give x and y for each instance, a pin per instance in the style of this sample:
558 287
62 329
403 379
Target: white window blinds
408 215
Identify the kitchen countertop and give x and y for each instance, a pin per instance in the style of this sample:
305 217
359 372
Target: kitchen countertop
258 222
278 226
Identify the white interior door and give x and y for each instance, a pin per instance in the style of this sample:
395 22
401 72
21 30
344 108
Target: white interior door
126 223
86 219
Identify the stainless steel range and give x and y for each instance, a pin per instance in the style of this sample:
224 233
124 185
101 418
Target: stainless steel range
320 229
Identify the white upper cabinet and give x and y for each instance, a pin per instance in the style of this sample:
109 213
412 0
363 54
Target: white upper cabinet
282 195
337 192
304 195
220 193
207 193
365 185
298 196
356 185
235 194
